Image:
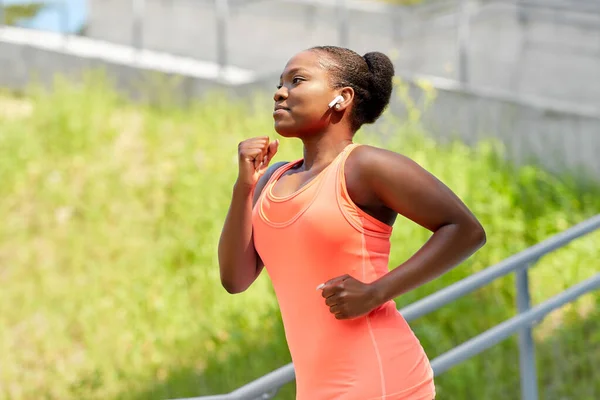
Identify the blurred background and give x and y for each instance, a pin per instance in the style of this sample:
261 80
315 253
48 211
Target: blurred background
119 125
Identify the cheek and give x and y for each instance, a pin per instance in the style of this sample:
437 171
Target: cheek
312 100
312 114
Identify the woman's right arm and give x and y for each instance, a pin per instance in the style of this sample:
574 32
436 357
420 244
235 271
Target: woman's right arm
239 262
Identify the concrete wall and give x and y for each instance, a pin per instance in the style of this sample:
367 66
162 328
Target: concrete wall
558 136
562 137
551 53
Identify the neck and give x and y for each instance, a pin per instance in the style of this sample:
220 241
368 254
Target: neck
321 149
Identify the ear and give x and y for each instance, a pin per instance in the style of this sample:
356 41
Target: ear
348 94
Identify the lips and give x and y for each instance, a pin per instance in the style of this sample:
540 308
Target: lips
280 111
279 107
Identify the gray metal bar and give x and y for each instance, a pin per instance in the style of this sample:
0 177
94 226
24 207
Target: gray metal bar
527 365
342 12
222 16
63 9
521 12
218 397
137 40
257 388
482 278
463 41
310 13
277 378
502 331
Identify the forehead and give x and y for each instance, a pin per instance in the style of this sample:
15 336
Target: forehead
307 61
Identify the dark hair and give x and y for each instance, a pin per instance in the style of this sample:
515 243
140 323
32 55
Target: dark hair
370 76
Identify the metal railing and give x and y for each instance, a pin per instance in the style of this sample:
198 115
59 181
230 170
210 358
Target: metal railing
267 386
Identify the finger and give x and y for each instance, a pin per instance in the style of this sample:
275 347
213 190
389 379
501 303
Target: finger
263 140
272 149
264 143
333 300
332 281
257 162
263 166
264 151
335 309
268 154
332 291
251 152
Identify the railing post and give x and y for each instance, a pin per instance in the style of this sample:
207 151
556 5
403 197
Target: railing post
139 7
527 363
522 12
64 22
222 11
310 11
342 23
464 38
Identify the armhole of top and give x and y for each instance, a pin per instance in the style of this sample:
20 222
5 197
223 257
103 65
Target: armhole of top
383 229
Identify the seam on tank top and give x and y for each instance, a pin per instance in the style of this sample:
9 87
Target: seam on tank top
340 185
412 389
368 318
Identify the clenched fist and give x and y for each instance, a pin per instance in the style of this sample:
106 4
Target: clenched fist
254 156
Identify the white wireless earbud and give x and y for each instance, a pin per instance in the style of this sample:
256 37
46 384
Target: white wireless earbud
335 101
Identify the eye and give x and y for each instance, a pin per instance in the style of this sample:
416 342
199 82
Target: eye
295 81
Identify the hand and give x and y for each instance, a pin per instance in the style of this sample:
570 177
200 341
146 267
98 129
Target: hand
349 298
254 156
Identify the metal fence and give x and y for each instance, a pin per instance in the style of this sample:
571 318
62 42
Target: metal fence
267 386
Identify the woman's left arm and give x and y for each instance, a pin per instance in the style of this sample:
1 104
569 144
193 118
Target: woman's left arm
408 189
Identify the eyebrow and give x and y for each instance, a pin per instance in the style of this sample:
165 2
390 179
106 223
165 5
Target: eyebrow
292 71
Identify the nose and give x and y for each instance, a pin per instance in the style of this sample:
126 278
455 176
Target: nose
281 94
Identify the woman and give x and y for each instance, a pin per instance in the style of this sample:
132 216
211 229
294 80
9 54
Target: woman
324 222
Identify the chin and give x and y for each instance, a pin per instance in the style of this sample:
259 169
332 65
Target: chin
295 130
286 130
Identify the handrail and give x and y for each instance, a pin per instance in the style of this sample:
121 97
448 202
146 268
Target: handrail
507 328
482 278
519 263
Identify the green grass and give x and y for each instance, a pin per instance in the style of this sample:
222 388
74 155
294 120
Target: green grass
12 14
111 213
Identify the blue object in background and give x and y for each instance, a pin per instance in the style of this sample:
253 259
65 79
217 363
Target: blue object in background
62 16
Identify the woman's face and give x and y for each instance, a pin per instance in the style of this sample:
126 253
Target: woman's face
302 99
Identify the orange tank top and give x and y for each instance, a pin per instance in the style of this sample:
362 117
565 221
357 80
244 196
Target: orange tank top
305 239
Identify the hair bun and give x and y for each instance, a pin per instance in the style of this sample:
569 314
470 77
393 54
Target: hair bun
382 74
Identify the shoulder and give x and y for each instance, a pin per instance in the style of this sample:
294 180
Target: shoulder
265 178
369 161
361 169
374 175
